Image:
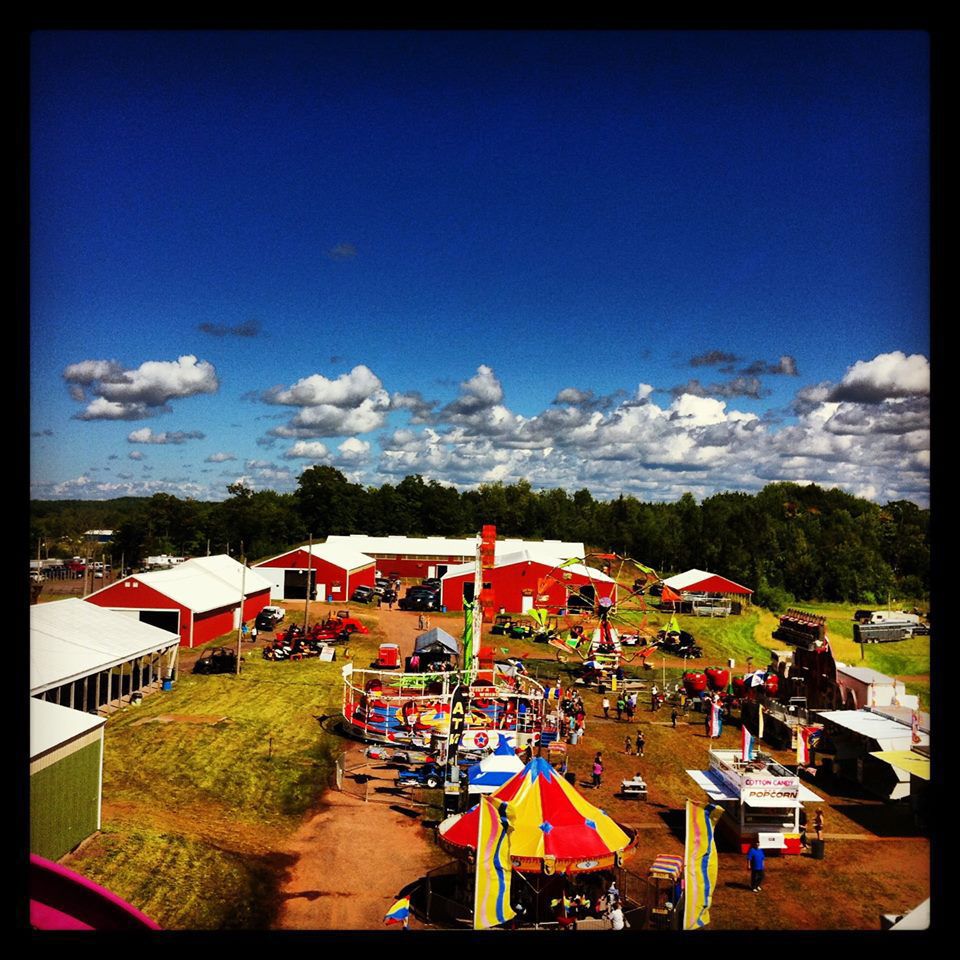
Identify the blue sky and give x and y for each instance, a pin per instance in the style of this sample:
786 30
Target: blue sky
639 262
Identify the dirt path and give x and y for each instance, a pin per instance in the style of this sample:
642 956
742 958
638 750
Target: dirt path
353 857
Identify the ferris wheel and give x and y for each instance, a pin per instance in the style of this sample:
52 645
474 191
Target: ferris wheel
605 609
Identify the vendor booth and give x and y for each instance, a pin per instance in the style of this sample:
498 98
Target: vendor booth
761 800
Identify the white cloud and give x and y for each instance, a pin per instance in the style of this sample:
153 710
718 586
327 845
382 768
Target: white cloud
121 394
146 435
353 450
886 376
307 450
348 390
135 455
219 458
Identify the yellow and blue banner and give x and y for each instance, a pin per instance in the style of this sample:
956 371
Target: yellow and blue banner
491 903
700 863
399 912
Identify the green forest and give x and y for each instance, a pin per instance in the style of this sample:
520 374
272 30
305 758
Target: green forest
787 542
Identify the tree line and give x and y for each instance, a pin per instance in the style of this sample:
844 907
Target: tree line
786 542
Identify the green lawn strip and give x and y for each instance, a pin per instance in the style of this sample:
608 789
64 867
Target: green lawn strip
265 760
182 882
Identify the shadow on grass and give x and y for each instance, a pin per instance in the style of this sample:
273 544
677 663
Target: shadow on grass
257 907
675 822
881 819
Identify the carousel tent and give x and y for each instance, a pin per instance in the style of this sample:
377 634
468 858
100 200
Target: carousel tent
554 828
495 770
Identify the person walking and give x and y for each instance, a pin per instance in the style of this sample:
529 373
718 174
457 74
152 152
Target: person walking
629 705
818 824
253 633
420 622
616 916
620 706
756 860
606 707
597 770
641 742
654 693
673 717
628 745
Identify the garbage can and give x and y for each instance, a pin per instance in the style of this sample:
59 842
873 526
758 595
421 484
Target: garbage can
167 684
816 849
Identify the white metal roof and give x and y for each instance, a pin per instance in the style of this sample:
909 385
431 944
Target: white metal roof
526 556
452 547
51 725
70 639
716 789
917 919
864 674
689 577
889 734
343 555
203 583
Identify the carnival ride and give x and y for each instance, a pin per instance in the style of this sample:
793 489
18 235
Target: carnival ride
556 836
598 623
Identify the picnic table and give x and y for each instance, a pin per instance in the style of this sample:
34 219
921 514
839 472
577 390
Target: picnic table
635 789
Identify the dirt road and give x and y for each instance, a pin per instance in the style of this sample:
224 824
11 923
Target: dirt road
354 857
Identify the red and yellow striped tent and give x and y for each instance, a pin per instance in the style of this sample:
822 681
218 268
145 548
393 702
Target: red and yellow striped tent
555 830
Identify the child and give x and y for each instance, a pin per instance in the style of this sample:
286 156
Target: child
627 745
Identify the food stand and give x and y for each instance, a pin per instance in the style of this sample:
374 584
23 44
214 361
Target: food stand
761 800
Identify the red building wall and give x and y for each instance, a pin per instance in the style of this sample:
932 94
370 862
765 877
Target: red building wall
205 626
326 573
548 586
131 594
417 568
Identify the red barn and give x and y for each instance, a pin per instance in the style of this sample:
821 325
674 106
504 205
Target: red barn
337 570
422 557
523 580
199 598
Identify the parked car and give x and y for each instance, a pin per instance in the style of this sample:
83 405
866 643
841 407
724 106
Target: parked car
420 598
363 595
269 617
432 582
388 596
429 775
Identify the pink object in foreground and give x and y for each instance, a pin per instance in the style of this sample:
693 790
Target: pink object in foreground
63 900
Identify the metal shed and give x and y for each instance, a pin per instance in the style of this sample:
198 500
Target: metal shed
66 777
95 660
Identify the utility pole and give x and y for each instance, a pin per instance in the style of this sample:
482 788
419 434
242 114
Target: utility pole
306 595
243 595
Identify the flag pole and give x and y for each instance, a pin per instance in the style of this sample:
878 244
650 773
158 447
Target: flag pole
243 596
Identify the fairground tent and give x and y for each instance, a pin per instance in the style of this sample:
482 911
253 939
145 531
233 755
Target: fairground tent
436 641
554 828
700 581
495 770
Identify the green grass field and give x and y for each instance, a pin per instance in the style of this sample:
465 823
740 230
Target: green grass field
197 809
